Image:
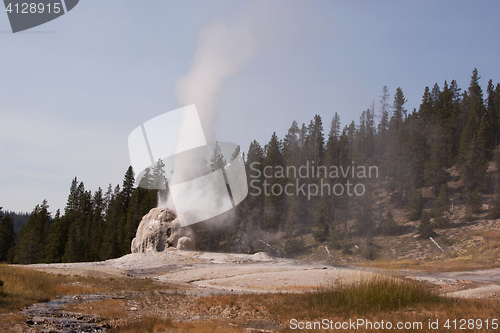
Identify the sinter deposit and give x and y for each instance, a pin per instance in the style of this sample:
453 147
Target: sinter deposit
160 229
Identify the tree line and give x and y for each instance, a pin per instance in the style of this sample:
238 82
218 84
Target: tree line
410 150
95 226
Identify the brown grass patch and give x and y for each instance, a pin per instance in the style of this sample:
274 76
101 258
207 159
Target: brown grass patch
108 308
117 284
24 286
375 299
207 327
155 324
11 318
146 324
7 321
465 263
479 250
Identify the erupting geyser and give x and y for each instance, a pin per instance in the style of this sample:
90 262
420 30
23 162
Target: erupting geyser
159 230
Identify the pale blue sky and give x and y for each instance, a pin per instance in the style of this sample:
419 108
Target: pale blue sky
73 89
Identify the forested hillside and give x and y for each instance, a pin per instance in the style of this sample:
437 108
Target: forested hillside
407 150
19 219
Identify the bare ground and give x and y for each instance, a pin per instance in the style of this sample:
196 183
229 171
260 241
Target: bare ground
188 276
202 273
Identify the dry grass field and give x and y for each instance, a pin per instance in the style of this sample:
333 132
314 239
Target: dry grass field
148 306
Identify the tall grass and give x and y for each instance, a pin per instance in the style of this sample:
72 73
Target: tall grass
359 294
23 287
155 324
372 297
145 324
368 294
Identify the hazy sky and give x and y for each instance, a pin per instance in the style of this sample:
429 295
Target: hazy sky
72 90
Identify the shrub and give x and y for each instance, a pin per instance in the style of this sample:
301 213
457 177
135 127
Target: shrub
472 204
367 295
440 207
293 244
425 228
495 207
369 249
388 227
415 205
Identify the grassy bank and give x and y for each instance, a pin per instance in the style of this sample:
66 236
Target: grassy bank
372 298
375 299
25 286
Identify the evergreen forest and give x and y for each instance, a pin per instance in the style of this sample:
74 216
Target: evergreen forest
453 129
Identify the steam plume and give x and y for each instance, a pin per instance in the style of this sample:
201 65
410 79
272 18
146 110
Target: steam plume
221 52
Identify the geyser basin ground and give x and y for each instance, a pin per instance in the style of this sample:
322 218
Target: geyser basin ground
219 271
205 272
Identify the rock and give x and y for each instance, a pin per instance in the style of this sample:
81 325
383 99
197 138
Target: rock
159 230
261 256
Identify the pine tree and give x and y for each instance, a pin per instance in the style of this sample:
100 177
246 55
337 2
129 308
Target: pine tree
110 246
316 140
440 207
56 240
134 215
472 205
383 127
158 176
255 200
335 131
414 153
364 217
314 151
435 174
322 216
74 251
96 222
370 134
292 157
425 228
396 162
473 152
389 227
236 152
453 124
476 102
325 212
415 204
32 239
491 117
210 233
496 108
291 144
128 185
474 163
217 160
361 147
123 198
75 223
495 207
73 198
426 107
293 243
250 212
274 202
7 238
146 181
